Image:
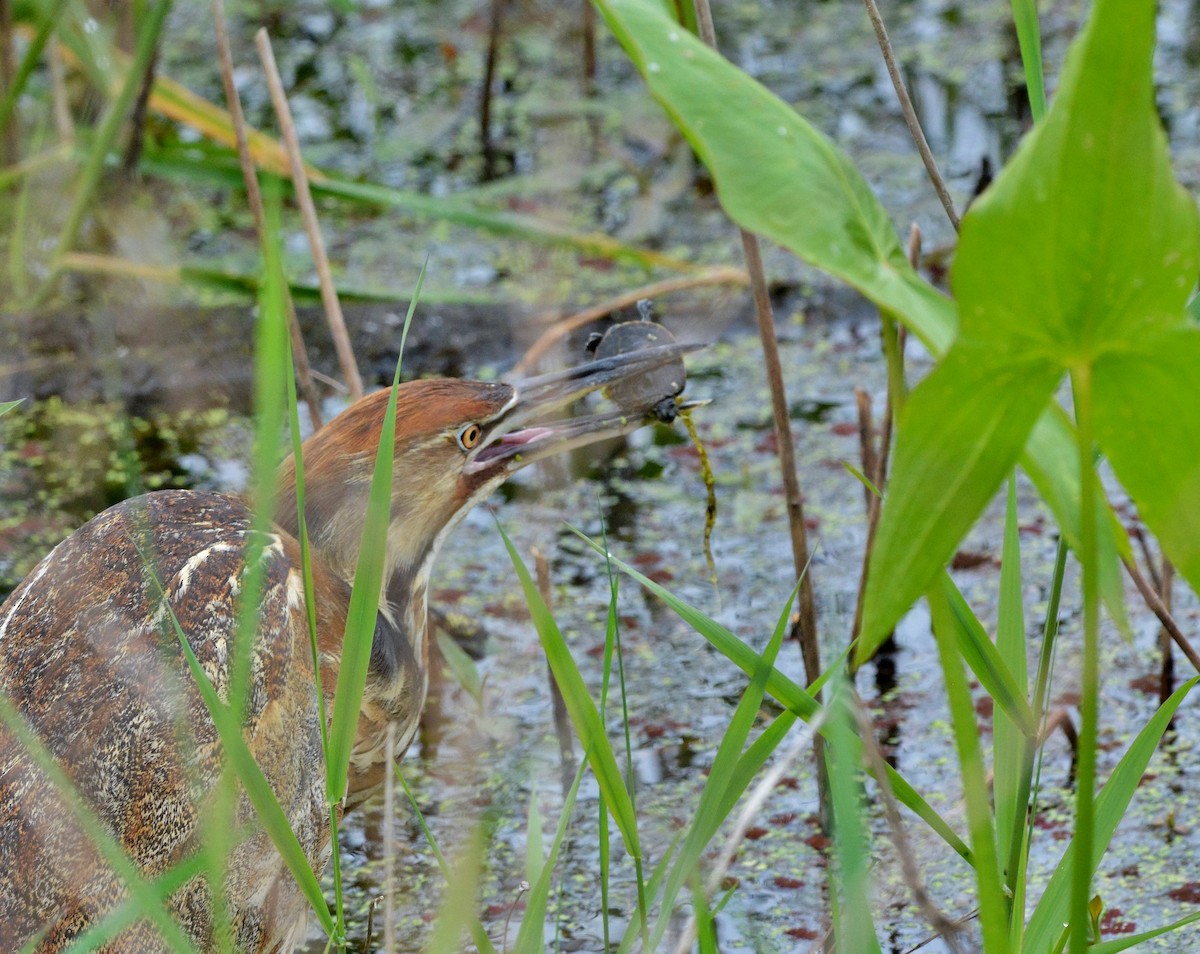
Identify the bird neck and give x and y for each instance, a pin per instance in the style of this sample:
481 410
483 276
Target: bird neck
335 507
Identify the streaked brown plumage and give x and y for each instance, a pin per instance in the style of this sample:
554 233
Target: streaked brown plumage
90 657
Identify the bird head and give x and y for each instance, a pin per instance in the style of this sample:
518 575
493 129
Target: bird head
456 442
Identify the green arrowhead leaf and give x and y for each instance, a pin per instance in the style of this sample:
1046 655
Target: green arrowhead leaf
1148 424
1084 245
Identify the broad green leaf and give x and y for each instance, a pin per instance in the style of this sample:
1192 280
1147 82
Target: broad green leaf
961 431
1148 424
461 666
1046 923
1052 463
1085 241
776 174
1081 247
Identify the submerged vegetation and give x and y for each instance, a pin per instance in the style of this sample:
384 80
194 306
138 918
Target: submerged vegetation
1055 376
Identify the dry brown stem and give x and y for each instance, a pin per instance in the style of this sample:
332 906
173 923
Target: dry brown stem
946 927
910 114
1162 611
308 210
304 377
806 616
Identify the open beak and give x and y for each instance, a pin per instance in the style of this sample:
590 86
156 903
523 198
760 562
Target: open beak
525 432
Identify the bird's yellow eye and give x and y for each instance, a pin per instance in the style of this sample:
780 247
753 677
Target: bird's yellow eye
469 436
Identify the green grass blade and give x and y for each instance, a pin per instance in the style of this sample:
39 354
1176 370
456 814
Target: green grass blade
478 934
462 667
6 406
986 662
780 687
458 906
220 166
535 852
850 880
142 894
584 714
365 594
1116 945
718 797
1052 911
992 908
118 919
258 790
531 937
1029 39
47 21
1012 746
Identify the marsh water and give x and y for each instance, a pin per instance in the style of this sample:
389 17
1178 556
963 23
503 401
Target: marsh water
392 95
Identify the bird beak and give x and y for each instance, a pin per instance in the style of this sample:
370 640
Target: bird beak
523 434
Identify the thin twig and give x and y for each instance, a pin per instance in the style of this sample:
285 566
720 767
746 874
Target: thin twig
750 811
717 275
588 29
137 119
487 148
867 450
1144 545
1159 608
8 72
329 298
1166 684
806 617
304 375
942 923
910 114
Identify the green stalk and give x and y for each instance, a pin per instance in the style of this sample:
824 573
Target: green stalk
612 644
1013 746
1035 750
1085 812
